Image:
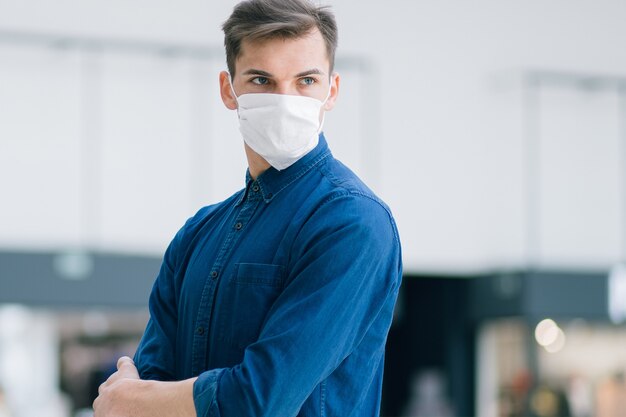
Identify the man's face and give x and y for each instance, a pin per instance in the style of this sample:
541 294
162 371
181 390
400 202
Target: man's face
297 67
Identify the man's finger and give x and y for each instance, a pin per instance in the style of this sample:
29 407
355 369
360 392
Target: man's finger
126 368
124 360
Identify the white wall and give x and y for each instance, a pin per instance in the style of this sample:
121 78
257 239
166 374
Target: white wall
454 160
447 82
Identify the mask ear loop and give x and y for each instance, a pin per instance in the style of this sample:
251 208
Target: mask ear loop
232 90
330 86
230 83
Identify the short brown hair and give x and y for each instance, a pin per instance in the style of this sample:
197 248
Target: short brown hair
266 19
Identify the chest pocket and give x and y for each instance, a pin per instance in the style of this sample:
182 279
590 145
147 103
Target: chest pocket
249 294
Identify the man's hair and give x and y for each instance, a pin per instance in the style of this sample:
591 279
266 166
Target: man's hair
266 19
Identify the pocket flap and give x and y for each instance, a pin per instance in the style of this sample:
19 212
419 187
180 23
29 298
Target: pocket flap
259 274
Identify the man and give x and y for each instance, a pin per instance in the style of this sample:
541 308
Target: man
277 301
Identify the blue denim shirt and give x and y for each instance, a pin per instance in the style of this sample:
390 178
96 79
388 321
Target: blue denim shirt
279 298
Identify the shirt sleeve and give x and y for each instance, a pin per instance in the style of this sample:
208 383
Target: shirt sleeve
344 273
154 357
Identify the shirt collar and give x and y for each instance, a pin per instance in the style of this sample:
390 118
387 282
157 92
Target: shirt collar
272 181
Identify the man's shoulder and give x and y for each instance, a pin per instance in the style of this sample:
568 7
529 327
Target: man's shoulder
204 214
346 214
346 199
186 235
343 182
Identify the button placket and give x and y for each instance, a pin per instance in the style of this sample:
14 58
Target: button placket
204 319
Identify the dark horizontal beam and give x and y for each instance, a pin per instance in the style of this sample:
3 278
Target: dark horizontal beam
76 279
535 295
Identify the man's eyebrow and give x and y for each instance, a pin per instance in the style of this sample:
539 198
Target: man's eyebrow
312 71
253 71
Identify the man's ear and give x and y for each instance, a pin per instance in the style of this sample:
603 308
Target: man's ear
226 92
334 92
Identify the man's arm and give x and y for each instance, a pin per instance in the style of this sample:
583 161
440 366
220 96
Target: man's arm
124 394
154 357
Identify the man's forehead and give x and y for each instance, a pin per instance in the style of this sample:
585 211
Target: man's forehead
296 54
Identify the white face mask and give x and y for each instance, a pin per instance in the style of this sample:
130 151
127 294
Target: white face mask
279 127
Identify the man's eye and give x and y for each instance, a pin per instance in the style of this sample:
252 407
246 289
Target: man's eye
307 81
260 80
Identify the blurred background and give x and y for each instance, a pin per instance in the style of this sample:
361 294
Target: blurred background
496 131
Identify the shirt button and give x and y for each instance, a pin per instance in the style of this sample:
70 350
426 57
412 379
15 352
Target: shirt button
200 330
238 226
255 188
214 274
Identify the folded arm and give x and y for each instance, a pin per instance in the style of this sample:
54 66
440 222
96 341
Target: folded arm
344 276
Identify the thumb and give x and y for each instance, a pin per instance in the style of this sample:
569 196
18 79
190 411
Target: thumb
126 368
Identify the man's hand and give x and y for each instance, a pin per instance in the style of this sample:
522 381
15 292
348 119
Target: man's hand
125 395
116 395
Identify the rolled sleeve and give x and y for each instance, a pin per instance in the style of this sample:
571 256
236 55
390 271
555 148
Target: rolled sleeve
205 393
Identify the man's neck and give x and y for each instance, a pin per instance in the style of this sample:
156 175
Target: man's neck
256 164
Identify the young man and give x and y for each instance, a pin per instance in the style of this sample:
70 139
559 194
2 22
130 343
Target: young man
277 301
